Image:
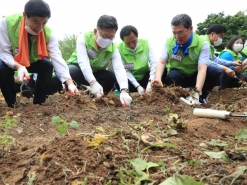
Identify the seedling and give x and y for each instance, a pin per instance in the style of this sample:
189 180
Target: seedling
62 125
6 139
138 174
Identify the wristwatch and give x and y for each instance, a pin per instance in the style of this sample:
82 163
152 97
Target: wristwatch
125 89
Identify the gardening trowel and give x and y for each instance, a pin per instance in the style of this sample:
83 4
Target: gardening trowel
210 113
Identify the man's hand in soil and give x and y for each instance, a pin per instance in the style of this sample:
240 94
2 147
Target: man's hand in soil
140 90
23 75
194 98
96 89
125 98
148 88
71 87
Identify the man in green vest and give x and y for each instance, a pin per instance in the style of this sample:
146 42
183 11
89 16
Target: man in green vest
88 63
186 57
26 45
214 36
138 59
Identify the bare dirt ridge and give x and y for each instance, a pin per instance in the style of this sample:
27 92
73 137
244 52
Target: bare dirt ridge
99 151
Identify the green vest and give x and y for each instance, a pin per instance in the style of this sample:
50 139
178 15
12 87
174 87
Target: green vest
140 58
244 51
212 49
98 59
13 24
189 64
235 56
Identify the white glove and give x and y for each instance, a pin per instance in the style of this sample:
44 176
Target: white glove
140 90
23 75
72 89
97 90
148 88
194 99
125 98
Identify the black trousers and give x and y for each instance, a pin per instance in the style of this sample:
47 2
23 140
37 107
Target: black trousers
43 67
105 78
54 86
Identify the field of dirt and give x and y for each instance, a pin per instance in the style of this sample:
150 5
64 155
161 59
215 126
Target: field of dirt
77 140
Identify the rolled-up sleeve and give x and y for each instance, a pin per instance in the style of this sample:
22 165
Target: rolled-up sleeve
119 70
60 66
204 55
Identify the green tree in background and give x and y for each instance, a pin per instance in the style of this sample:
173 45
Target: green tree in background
236 25
67 46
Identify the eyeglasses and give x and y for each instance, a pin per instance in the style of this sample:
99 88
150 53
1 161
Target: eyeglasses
179 33
106 36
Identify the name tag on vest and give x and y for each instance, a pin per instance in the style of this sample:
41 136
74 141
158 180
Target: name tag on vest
129 65
92 53
177 57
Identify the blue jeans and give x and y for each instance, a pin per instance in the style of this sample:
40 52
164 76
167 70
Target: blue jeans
43 67
175 77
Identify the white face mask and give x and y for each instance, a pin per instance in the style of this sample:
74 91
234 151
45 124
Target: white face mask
218 42
103 43
29 30
237 47
133 50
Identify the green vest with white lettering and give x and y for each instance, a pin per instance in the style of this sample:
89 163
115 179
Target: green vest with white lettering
13 24
212 49
139 58
98 59
189 63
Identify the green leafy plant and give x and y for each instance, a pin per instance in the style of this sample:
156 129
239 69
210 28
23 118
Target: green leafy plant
139 173
62 125
181 180
7 139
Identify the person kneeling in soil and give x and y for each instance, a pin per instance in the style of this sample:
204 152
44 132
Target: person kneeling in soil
186 57
88 63
138 59
214 36
26 43
231 53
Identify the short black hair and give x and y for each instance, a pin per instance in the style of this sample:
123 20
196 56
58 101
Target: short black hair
107 21
182 19
230 43
217 28
126 31
37 8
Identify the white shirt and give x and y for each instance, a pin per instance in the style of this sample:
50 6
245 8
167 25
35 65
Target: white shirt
152 63
84 63
60 66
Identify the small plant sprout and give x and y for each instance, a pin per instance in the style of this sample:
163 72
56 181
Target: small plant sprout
62 125
6 139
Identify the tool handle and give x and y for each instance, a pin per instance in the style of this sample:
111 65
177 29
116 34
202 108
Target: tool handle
185 101
210 113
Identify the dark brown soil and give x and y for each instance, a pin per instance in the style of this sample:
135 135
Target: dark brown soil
41 153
